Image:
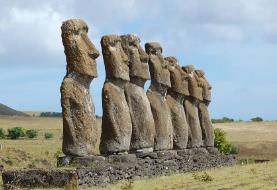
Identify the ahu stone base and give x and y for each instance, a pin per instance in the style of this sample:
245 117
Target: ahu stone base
100 171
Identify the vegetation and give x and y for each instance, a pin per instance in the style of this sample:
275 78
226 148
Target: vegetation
50 114
255 141
223 120
48 135
257 119
31 133
16 133
222 144
2 134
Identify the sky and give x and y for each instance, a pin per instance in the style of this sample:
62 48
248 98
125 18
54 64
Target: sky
234 41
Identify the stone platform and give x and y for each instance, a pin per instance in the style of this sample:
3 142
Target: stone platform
99 171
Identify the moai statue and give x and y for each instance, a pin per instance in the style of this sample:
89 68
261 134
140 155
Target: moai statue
175 99
143 126
205 121
79 122
160 82
116 121
191 108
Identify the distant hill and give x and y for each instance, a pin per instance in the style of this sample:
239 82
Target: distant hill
5 110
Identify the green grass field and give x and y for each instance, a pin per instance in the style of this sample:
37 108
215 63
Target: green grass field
256 140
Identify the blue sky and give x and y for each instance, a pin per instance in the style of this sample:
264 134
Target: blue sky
234 41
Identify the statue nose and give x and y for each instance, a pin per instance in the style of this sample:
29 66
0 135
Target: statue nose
94 54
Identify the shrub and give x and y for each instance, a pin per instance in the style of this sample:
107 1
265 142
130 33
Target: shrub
2 134
51 114
48 135
202 177
257 119
31 133
222 144
223 120
15 133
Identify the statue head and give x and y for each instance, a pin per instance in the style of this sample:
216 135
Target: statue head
157 65
137 57
178 81
206 87
115 59
200 73
188 69
80 52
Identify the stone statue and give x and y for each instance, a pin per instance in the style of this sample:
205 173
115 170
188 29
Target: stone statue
191 108
160 82
79 122
205 121
175 98
116 121
143 127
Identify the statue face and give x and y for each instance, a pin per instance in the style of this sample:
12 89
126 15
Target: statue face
115 59
80 52
137 57
178 82
157 64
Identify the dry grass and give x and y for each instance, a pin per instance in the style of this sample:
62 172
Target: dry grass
255 140
252 176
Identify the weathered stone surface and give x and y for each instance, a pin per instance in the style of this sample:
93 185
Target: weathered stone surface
123 158
159 73
115 60
38 178
79 161
178 77
160 81
143 127
191 109
79 123
204 116
110 172
175 99
162 118
116 121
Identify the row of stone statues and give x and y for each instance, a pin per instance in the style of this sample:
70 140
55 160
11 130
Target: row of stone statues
172 114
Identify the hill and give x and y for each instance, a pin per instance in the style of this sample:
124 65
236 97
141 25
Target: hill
5 110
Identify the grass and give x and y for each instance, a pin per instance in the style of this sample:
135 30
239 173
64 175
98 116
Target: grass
252 176
256 140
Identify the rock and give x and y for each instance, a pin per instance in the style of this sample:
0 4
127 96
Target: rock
116 120
175 98
204 116
184 152
143 127
199 151
87 160
167 155
79 161
79 122
160 81
63 161
38 178
212 150
123 158
151 155
191 109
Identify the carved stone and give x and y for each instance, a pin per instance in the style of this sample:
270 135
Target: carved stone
175 98
79 123
205 121
191 109
116 121
160 82
143 127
